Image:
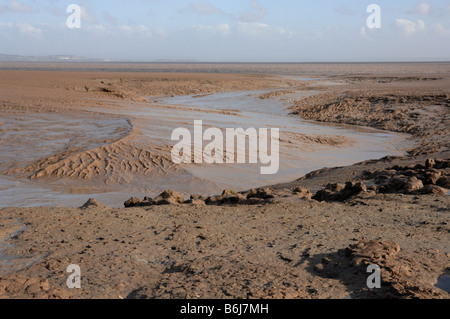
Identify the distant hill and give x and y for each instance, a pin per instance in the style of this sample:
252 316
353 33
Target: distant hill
49 58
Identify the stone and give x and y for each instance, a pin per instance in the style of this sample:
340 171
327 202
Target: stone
335 187
412 185
432 190
367 252
264 193
92 203
431 177
132 202
169 197
302 192
430 163
444 182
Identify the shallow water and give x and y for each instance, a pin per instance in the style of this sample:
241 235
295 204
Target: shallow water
10 263
154 123
296 159
444 283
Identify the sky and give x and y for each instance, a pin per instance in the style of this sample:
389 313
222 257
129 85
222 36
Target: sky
229 30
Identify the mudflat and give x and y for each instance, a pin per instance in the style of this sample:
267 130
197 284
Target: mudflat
378 193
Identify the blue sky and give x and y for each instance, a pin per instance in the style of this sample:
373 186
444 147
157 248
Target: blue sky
229 30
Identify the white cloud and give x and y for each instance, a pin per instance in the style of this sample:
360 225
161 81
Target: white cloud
441 30
253 28
257 13
16 6
424 8
257 28
24 28
124 30
205 8
28 29
87 15
223 29
344 10
408 27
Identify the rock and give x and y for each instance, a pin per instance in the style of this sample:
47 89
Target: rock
166 201
392 185
351 189
442 164
255 201
93 203
443 182
335 187
196 196
323 195
169 197
431 177
252 194
432 189
412 185
233 199
132 202
214 200
264 193
302 192
367 252
148 201
430 163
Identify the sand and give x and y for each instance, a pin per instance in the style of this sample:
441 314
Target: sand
310 238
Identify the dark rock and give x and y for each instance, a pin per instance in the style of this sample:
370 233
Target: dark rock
432 190
214 200
443 182
132 202
442 164
302 192
431 177
335 187
92 203
264 193
323 195
233 199
392 185
351 189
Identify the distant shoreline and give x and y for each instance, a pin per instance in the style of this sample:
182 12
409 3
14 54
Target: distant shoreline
251 68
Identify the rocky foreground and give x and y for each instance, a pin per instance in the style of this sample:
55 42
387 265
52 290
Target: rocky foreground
265 243
432 177
306 249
